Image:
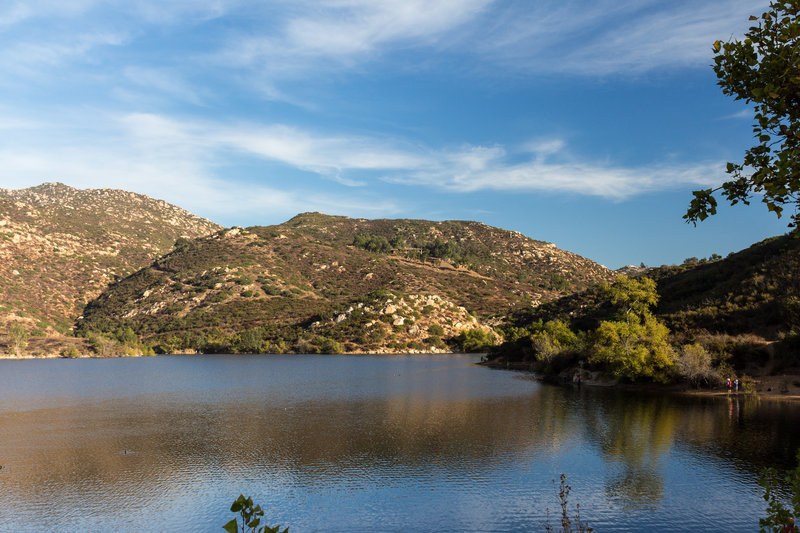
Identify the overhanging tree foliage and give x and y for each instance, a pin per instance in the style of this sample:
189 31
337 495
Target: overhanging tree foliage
763 69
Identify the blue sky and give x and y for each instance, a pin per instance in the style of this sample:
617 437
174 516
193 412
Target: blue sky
582 123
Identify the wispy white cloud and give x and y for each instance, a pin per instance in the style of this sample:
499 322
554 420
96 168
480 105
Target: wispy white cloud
744 113
547 166
39 35
550 169
169 83
583 38
326 155
609 37
148 11
180 160
13 13
335 33
165 159
182 12
36 58
306 40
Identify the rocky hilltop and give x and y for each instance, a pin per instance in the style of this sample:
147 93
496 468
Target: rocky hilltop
325 283
60 247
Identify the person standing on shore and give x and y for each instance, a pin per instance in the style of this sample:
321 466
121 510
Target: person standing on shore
736 385
729 385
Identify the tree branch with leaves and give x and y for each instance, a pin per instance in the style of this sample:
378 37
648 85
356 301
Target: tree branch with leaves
763 69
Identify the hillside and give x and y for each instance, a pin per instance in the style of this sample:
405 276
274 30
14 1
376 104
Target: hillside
368 285
751 291
60 247
744 309
748 292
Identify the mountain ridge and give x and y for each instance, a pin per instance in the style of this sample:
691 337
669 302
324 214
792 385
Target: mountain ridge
60 246
318 278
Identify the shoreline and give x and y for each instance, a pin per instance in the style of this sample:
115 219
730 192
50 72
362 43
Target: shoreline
9 357
772 387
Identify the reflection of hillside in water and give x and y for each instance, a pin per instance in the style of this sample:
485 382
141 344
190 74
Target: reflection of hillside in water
131 449
144 451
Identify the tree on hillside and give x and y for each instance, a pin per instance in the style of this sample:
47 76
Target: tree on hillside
551 338
372 243
763 69
19 338
635 344
632 295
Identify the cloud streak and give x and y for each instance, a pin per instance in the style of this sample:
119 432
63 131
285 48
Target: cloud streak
600 38
342 33
304 41
547 171
180 160
542 166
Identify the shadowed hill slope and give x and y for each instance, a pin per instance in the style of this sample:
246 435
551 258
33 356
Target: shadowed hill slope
743 309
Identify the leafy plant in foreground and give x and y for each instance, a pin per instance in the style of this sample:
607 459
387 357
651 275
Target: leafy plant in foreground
568 525
780 519
251 518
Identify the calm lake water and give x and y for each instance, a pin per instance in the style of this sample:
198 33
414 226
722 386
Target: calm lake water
368 443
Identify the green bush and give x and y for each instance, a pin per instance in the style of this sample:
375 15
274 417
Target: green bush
330 346
372 243
271 290
694 364
220 296
475 340
72 352
436 329
435 341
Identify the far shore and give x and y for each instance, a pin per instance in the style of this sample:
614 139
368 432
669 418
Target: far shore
772 387
6 356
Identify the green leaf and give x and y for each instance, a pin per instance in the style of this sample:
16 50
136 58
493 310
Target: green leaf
231 527
775 208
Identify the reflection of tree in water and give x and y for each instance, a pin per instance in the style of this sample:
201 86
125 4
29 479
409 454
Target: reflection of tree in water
634 432
636 487
633 437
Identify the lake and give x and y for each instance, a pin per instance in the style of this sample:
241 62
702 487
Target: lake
368 443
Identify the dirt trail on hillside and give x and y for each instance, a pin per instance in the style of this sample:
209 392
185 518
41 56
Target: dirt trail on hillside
440 268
